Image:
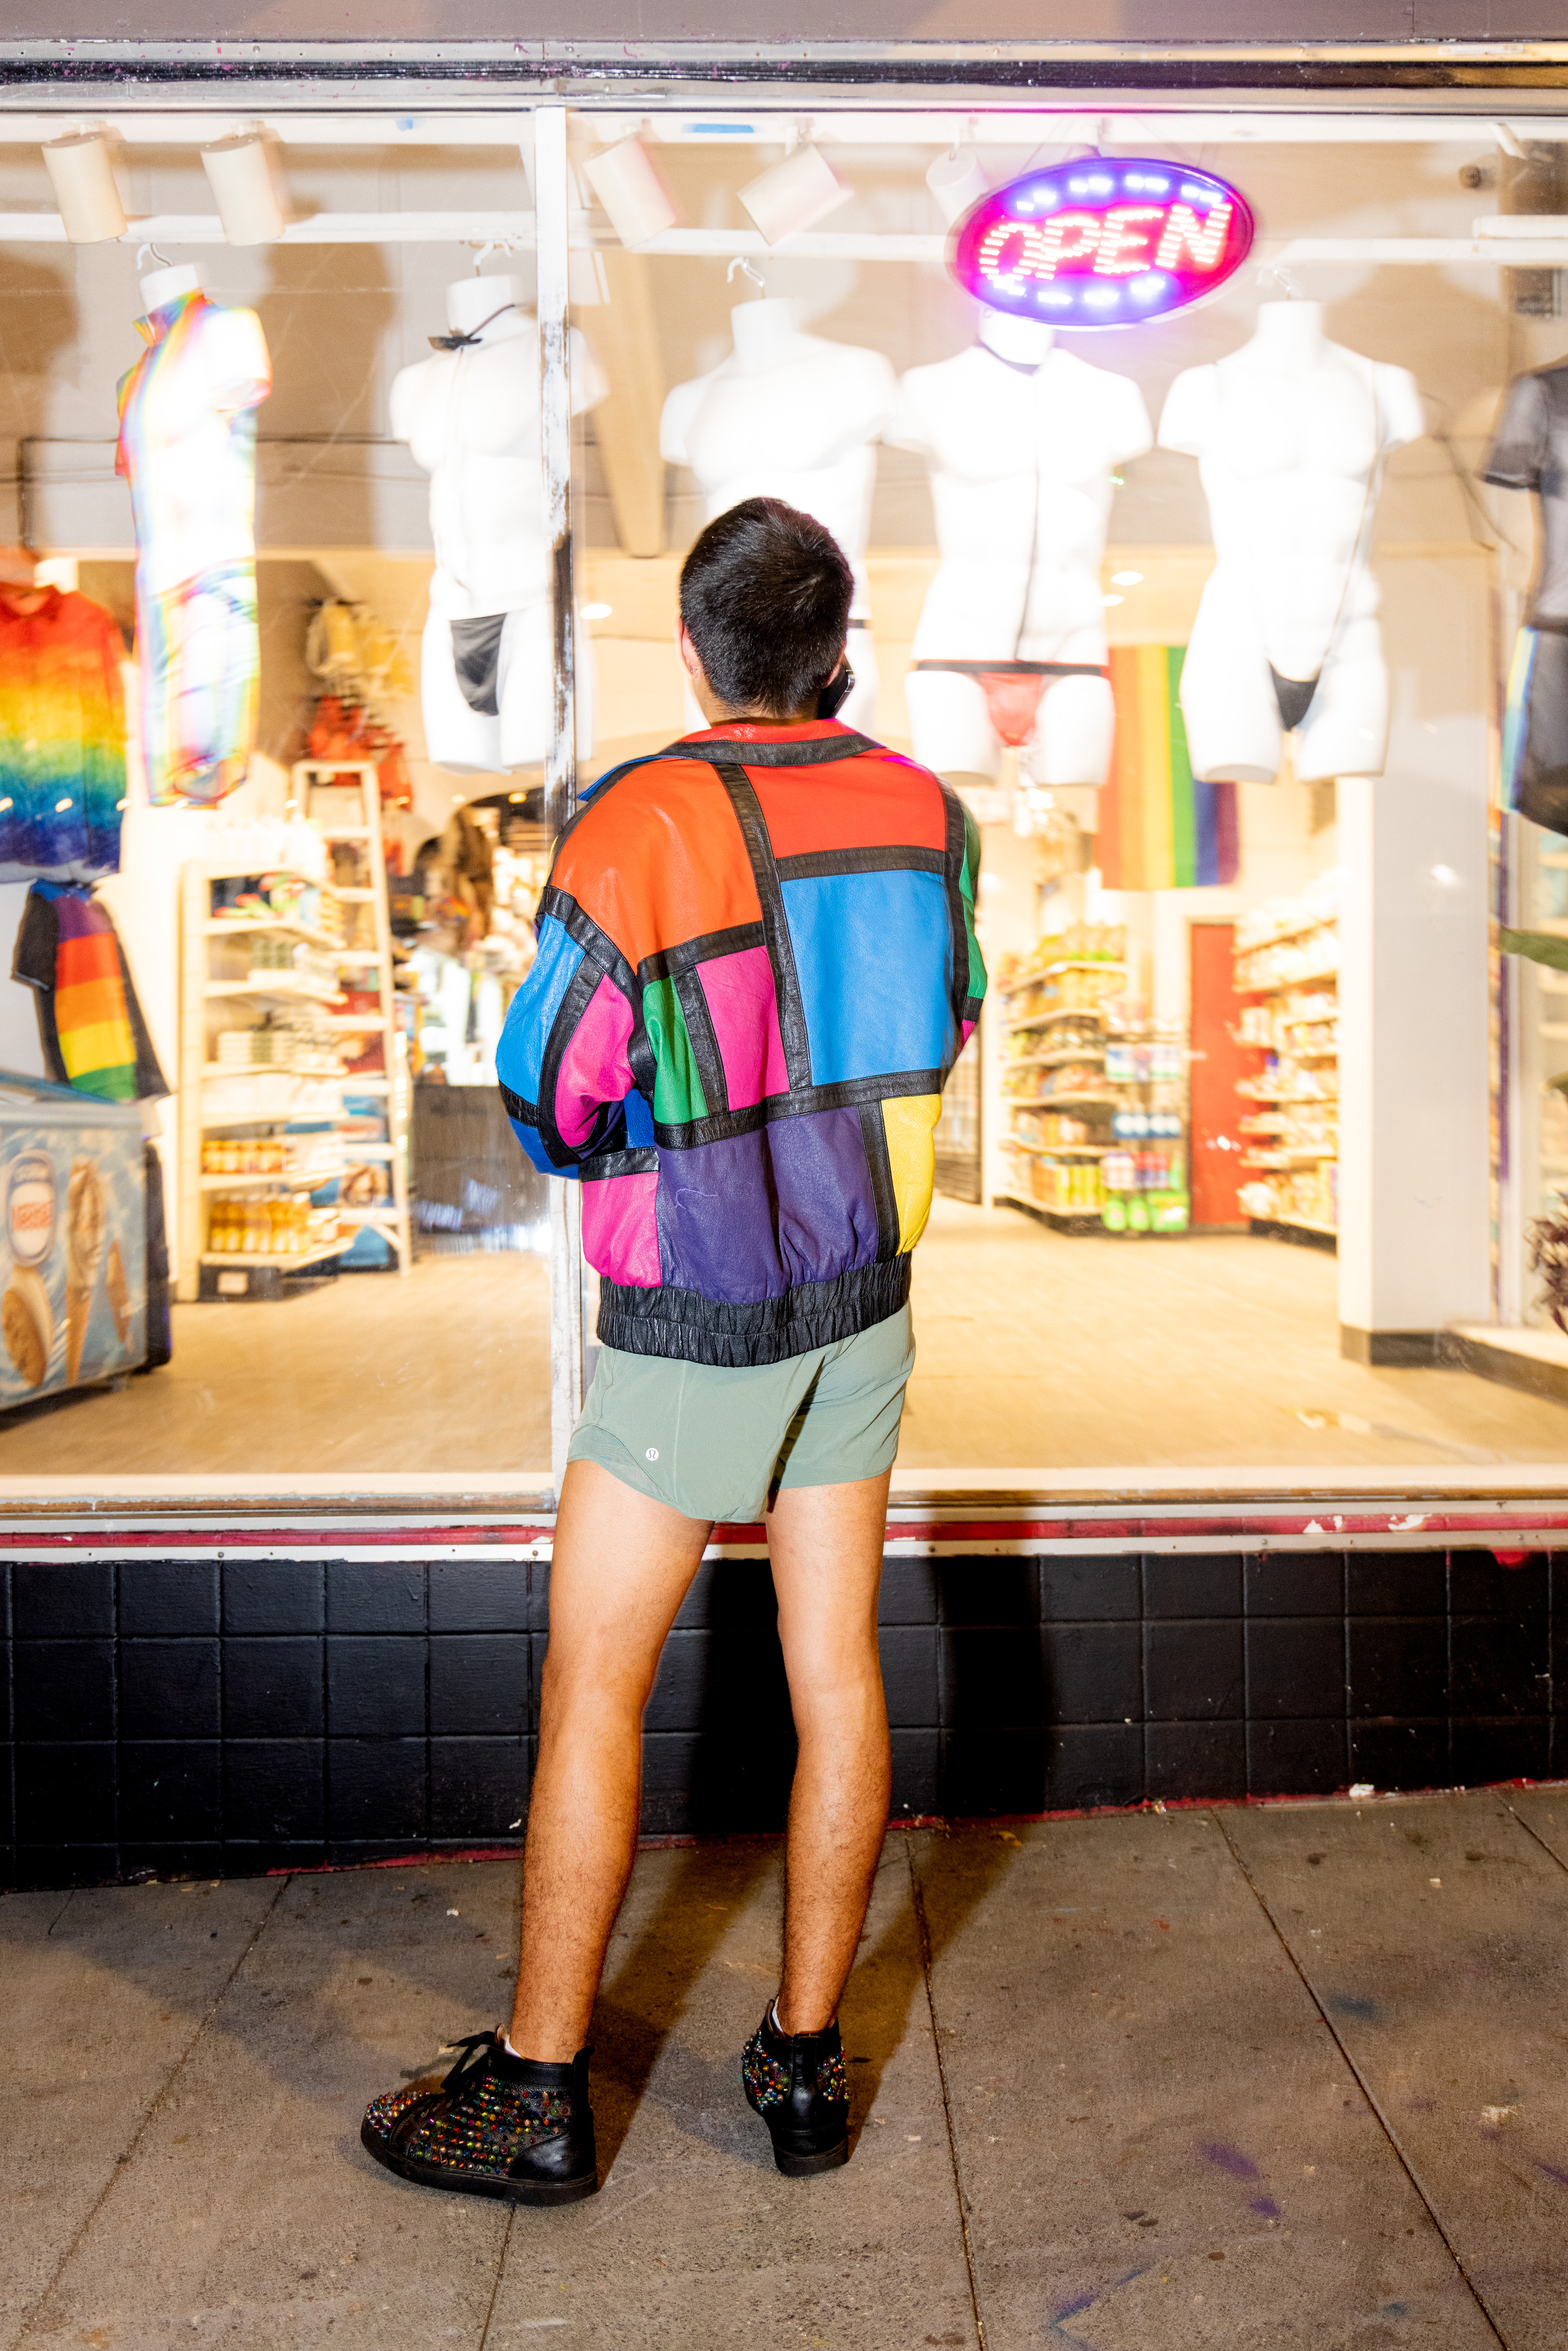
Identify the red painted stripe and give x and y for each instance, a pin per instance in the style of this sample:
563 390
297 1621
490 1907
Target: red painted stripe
1327 1526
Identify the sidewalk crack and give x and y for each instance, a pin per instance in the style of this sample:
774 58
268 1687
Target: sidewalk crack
924 1934
1362 2082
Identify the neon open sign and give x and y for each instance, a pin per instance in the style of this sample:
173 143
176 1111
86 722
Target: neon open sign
1103 243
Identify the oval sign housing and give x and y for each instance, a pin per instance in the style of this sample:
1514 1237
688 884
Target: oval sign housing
1106 242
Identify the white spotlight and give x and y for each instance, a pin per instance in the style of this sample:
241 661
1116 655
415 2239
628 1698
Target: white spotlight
795 195
246 188
957 180
628 185
84 184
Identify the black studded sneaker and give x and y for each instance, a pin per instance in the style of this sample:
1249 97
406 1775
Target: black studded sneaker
498 2126
797 2083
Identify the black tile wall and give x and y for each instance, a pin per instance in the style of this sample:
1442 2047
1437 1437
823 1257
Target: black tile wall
65 1599
1295 1666
375 1688
167 1683
177 1715
272 1688
175 1597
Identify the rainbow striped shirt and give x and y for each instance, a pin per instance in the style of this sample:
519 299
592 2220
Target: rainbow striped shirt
62 737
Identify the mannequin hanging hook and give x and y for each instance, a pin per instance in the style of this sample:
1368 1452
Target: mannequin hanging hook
508 245
1294 290
742 264
162 260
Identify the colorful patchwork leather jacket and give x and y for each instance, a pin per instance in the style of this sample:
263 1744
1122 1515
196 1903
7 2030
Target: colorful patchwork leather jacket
756 964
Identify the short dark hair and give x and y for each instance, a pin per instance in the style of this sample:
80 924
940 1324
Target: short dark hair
765 595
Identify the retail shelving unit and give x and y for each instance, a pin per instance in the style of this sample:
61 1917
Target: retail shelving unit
355 847
248 1112
1287 965
1100 1146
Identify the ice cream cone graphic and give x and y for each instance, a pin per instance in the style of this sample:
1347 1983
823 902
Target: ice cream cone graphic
85 1220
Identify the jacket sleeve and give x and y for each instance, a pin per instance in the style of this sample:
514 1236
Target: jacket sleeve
968 883
564 1058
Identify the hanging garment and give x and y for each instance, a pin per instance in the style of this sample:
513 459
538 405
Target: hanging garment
1530 453
90 1024
341 729
187 447
1535 729
1014 689
62 735
1159 828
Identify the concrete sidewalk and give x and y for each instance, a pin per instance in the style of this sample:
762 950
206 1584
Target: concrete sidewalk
1291 2076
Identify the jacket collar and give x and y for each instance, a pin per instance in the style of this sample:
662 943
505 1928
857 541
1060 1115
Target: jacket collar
765 730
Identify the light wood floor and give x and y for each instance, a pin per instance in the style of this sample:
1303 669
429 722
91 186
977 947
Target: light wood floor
1044 1349
1037 1351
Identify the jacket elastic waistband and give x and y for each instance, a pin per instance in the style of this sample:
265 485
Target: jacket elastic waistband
692 1329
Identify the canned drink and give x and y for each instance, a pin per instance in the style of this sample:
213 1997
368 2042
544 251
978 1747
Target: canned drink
31 1204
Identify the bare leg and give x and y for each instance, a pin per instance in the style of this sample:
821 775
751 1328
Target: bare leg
827 1543
622 1564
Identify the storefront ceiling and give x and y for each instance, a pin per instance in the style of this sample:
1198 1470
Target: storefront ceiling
1262 45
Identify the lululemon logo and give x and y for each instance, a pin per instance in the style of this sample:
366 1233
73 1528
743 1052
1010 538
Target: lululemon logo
653 1454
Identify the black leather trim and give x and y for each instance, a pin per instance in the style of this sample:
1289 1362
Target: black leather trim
874 1134
598 947
643 1160
704 1039
713 943
811 751
580 990
818 864
775 930
958 978
800 1102
686 1327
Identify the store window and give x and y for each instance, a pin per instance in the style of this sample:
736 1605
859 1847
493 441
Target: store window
1201 593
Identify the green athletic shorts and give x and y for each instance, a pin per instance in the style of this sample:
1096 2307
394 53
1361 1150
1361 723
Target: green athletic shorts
718 1444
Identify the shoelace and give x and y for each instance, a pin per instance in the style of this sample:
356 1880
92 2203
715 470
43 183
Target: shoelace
473 2064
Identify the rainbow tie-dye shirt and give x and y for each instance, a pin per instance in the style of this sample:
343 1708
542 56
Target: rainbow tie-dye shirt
187 446
62 737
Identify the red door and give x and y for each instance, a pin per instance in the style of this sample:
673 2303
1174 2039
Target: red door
1217 1062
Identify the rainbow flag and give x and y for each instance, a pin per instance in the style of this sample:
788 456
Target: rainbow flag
1160 828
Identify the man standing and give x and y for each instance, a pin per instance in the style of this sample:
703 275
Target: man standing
756 964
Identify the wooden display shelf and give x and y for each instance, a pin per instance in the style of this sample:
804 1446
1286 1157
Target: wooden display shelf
1300 1229
1062 1150
1280 938
305 1182
1066 1101
1048 1020
287 1264
269 1069
244 924
1060 1220
1050 970
311 991
1281 987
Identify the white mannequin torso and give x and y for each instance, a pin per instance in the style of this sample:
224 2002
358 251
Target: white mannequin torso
1289 432
788 415
472 419
1021 460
